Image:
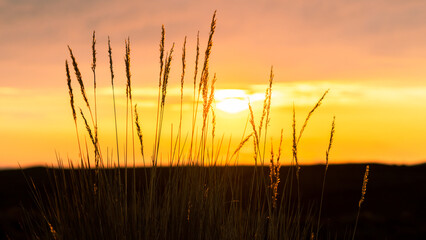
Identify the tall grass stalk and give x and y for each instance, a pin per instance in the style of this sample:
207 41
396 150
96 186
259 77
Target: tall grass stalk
155 151
194 101
94 82
113 99
179 134
202 87
327 154
296 140
296 162
266 111
164 84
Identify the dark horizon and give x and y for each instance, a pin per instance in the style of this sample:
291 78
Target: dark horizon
393 207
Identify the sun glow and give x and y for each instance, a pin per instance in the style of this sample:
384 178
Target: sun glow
232 105
232 100
235 100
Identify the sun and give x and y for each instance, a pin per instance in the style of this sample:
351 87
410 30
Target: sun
232 105
231 100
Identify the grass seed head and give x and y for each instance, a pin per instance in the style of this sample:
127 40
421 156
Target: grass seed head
205 72
241 145
167 67
183 65
310 114
128 74
364 185
93 52
163 33
330 143
197 56
70 91
79 78
139 132
110 61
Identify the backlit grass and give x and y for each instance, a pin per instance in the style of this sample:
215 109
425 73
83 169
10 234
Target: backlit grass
193 197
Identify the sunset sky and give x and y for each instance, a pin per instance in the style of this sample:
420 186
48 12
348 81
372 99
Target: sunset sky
370 54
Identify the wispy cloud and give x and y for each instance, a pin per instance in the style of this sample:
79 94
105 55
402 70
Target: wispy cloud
308 93
360 39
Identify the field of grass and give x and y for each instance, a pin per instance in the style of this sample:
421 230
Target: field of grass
194 197
393 209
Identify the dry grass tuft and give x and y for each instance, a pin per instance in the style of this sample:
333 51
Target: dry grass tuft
196 200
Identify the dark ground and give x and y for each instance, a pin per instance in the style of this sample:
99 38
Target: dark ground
394 208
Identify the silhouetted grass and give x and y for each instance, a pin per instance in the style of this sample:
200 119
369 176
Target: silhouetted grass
193 198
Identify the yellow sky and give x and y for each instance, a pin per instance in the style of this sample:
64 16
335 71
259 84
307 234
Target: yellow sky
371 55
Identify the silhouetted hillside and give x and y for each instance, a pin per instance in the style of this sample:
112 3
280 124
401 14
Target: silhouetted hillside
393 209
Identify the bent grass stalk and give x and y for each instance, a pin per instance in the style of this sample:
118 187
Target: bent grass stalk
295 160
74 115
89 131
83 93
309 116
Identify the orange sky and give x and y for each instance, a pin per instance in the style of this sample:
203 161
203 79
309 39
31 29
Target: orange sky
370 54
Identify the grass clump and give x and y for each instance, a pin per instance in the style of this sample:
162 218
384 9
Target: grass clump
193 197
